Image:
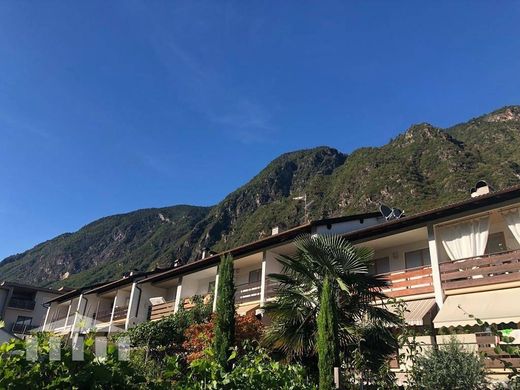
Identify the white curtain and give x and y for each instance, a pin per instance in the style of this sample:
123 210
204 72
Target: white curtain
466 239
512 218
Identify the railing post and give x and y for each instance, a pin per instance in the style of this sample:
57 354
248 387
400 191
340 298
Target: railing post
178 296
436 274
68 314
215 292
46 318
263 280
76 315
112 314
131 305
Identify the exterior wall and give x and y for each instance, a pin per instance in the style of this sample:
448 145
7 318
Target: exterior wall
396 255
148 291
242 274
191 286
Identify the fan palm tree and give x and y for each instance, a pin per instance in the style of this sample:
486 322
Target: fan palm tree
362 325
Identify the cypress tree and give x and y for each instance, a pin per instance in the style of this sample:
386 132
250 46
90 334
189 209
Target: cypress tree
327 338
225 312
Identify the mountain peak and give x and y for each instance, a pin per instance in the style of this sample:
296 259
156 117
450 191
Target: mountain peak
505 114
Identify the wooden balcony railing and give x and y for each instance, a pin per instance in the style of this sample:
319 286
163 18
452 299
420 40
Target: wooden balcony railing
119 314
479 271
486 345
270 289
412 281
247 292
162 310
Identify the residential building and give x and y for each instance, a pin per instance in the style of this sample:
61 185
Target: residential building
451 266
22 306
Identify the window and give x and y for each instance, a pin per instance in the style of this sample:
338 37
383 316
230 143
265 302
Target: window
22 320
211 287
496 243
255 276
380 266
418 258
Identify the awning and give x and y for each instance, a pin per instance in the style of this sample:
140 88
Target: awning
493 307
416 311
245 309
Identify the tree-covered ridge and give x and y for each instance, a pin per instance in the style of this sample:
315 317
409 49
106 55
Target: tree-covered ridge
422 168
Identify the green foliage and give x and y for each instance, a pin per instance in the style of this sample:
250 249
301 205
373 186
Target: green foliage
167 334
16 372
225 312
327 338
294 313
448 367
253 370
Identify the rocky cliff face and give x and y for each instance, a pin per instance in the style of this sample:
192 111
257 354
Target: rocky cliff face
422 168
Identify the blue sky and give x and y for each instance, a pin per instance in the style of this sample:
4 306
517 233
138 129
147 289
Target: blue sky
107 107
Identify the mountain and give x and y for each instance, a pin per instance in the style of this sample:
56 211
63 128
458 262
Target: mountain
424 167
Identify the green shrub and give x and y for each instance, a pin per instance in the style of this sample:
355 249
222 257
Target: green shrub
225 312
450 367
168 333
253 370
16 372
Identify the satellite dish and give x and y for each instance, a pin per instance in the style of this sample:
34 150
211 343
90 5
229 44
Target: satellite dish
390 213
386 211
398 213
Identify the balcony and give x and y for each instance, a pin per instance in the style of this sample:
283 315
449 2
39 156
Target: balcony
161 310
21 303
413 281
22 328
247 292
119 314
480 271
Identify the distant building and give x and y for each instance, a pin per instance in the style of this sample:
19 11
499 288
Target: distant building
22 307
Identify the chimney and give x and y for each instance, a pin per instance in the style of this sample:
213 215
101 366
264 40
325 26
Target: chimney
204 252
275 230
481 188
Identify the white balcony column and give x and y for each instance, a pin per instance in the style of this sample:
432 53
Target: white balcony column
178 298
436 274
112 314
68 314
215 292
77 315
46 318
132 304
263 280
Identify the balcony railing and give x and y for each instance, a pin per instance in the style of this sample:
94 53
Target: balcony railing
479 271
162 310
486 345
119 314
22 328
20 303
270 289
407 282
247 292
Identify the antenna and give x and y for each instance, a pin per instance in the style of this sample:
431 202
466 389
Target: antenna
305 206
